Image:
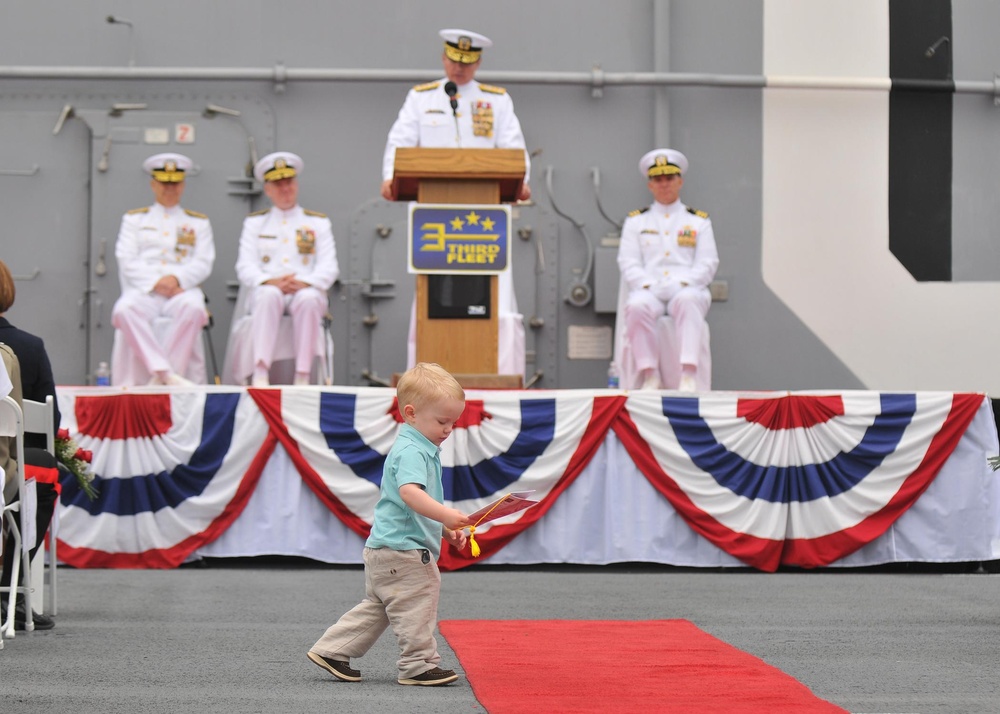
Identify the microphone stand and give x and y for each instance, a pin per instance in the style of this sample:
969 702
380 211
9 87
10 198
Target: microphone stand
451 90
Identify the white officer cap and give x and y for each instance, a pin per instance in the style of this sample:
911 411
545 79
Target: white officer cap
279 165
167 168
464 46
660 162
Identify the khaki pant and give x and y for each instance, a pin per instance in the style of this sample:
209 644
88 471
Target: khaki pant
402 591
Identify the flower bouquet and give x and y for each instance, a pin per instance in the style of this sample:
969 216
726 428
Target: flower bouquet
76 460
994 462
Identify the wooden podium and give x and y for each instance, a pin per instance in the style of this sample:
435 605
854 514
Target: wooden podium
465 347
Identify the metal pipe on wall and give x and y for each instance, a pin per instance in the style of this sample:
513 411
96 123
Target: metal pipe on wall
661 64
596 78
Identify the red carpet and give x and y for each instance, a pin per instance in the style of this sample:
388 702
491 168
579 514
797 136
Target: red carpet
530 666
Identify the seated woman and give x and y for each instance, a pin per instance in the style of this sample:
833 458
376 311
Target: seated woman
30 371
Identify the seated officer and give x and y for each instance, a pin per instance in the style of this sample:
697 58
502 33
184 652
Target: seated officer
164 254
288 259
667 257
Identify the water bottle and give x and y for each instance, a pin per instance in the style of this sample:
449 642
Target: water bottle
613 376
102 377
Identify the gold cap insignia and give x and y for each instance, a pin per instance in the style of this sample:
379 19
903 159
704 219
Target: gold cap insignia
462 51
281 170
662 167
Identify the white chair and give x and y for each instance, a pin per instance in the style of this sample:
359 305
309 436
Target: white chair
238 364
39 418
19 518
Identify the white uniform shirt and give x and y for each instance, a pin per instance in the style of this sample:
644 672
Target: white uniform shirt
158 241
486 120
297 241
667 244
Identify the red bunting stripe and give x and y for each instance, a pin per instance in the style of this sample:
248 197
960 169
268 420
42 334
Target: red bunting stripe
269 403
790 412
123 416
473 415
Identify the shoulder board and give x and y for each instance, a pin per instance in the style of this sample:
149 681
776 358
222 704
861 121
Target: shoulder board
134 211
696 212
195 214
315 214
261 212
426 87
636 212
491 89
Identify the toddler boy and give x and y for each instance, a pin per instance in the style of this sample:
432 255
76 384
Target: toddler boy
402 581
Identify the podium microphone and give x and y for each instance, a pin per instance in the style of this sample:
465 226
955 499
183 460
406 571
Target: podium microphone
451 89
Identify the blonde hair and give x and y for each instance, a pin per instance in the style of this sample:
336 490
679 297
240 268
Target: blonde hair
427 382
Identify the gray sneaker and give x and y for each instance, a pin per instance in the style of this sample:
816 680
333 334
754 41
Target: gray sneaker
432 678
340 670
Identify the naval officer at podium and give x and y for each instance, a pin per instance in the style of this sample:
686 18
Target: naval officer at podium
459 112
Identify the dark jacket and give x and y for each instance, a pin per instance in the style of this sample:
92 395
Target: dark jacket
36 372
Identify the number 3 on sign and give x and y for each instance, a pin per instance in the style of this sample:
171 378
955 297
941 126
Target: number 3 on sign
184 133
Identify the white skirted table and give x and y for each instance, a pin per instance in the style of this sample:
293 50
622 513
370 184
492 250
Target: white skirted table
810 479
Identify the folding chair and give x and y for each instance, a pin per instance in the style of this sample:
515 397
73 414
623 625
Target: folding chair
19 518
39 418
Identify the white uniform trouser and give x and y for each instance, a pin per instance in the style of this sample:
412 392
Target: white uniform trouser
306 308
134 313
688 308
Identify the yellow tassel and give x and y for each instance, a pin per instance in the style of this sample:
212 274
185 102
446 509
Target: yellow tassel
474 546
472 542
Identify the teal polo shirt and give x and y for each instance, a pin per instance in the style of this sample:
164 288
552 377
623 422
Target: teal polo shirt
412 459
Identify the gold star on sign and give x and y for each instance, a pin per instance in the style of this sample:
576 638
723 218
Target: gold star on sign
456 223
487 224
472 218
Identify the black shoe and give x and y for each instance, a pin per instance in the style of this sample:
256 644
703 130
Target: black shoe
41 622
340 670
432 678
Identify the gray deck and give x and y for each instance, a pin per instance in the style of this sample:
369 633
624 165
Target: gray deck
232 636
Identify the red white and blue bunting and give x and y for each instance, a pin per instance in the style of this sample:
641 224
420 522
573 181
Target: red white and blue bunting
773 479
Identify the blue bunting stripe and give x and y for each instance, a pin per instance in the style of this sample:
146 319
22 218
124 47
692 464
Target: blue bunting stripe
493 476
463 480
513 447
527 443
338 440
786 484
336 422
